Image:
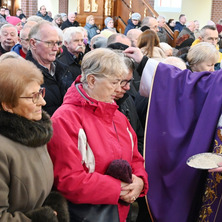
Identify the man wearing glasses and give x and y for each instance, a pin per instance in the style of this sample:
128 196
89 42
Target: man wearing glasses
22 47
210 34
43 49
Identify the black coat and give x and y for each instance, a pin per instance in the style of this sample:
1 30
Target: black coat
67 24
127 107
56 86
71 62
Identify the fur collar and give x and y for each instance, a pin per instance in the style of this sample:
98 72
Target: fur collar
27 132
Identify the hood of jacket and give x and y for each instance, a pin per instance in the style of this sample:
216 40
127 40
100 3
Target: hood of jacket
24 131
77 96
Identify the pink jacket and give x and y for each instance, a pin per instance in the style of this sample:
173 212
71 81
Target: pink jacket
87 136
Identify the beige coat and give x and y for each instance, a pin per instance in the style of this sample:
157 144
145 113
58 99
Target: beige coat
26 171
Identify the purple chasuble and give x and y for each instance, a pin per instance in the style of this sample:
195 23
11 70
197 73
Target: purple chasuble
183 112
211 209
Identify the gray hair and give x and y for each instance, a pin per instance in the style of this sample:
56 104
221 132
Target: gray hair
57 16
207 27
101 62
35 18
202 52
69 32
34 32
160 17
112 38
146 21
7 26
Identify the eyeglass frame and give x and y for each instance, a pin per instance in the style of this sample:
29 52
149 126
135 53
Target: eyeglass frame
40 92
126 82
25 39
59 43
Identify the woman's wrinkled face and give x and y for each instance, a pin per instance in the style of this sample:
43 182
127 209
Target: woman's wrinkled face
105 88
26 107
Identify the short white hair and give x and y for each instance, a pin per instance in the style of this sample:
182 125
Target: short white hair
69 32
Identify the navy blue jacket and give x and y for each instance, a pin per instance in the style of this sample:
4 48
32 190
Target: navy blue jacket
130 26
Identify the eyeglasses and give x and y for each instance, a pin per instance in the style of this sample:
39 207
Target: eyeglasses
24 39
35 97
123 83
50 44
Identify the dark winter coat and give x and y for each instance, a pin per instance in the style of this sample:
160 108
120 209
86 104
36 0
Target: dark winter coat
56 86
131 26
2 51
46 17
73 63
128 108
67 24
179 27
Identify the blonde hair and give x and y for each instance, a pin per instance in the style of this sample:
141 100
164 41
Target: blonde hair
88 18
202 52
103 61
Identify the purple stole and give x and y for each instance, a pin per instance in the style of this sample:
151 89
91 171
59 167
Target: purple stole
183 112
211 209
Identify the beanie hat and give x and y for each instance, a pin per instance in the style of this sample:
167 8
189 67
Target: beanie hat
63 14
117 45
120 169
136 16
13 20
107 20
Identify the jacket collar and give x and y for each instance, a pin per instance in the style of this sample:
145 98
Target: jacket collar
24 131
76 95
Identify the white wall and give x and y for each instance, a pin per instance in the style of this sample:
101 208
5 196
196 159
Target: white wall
53 6
72 7
194 10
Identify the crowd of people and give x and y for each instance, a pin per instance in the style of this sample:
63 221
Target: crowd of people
96 118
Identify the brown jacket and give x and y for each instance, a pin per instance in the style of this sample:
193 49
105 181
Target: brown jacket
26 171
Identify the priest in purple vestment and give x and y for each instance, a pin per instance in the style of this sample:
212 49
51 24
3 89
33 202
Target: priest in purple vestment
182 119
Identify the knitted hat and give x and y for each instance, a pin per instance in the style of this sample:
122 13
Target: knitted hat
120 169
136 16
63 14
117 45
13 20
107 20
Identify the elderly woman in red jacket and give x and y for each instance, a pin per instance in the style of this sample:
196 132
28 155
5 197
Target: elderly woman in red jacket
89 133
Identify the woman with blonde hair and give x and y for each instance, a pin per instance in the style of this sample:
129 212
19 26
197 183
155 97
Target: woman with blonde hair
149 43
202 57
